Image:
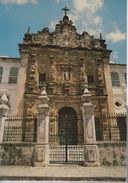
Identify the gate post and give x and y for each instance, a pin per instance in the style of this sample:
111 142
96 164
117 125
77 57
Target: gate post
41 155
3 111
91 156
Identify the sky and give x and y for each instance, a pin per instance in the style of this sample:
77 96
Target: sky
93 16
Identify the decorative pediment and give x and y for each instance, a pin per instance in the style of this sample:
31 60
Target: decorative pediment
64 35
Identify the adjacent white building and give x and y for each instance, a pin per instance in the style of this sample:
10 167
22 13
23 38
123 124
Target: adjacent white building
119 80
9 68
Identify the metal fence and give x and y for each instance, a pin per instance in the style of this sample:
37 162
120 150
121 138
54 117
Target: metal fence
20 129
111 127
24 129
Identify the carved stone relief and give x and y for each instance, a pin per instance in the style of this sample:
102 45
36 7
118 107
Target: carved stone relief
31 82
30 108
66 73
100 76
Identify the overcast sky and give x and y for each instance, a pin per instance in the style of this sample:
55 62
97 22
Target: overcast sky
93 16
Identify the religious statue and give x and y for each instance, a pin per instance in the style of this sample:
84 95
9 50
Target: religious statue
53 72
100 76
52 113
83 75
66 75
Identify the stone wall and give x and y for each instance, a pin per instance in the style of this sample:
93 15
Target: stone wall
112 153
17 154
22 154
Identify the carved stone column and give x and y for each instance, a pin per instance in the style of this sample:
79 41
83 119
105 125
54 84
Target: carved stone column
90 147
42 146
3 112
52 74
83 74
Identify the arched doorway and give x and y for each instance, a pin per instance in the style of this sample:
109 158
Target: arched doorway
67 126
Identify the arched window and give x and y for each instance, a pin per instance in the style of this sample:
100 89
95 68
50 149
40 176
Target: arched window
115 79
13 75
1 73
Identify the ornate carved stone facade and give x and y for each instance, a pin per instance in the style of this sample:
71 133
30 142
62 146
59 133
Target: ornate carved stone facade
64 61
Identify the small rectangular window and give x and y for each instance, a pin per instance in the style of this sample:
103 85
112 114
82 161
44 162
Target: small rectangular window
13 75
90 80
115 79
42 78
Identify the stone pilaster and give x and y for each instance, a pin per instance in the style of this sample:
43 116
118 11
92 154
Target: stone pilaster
42 146
90 147
21 83
108 83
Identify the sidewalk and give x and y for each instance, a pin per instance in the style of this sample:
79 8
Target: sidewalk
62 172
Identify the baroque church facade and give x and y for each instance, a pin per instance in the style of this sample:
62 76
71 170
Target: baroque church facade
64 62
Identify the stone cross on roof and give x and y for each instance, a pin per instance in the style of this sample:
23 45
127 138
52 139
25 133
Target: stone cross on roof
65 10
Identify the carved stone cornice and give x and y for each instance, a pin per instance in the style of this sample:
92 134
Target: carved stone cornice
64 35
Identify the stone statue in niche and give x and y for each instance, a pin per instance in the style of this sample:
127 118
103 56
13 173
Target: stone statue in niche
66 75
83 75
53 72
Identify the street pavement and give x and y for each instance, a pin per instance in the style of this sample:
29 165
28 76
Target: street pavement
63 173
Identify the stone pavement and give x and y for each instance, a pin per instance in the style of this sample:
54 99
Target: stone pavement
63 172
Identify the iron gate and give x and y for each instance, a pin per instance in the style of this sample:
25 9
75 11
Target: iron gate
67 145
66 152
